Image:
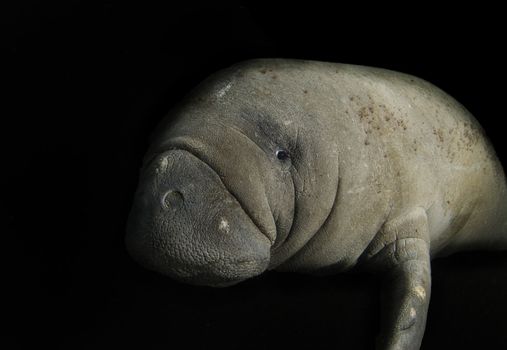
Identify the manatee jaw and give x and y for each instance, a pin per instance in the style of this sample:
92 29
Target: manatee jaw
238 271
200 236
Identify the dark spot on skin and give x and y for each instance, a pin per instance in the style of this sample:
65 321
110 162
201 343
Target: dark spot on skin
401 124
439 134
263 71
305 91
471 136
351 98
448 202
366 142
274 76
363 113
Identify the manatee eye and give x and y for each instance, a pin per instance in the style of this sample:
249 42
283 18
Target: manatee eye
282 154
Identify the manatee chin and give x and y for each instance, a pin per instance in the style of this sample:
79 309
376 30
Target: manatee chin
220 273
185 224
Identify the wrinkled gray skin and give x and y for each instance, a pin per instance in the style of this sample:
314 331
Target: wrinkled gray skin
384 172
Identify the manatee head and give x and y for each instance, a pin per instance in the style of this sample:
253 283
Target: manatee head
230 180
186 224
209 204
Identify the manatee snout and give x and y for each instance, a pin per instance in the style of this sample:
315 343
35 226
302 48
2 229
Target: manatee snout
184 223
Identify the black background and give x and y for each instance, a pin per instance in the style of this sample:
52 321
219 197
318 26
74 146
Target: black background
86 83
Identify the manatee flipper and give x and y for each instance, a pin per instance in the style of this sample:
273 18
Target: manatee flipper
405 262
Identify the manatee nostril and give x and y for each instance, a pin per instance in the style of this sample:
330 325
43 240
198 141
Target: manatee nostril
172 199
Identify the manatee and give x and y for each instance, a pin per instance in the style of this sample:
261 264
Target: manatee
316 167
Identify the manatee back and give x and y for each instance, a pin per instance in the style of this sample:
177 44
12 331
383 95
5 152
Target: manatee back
441 158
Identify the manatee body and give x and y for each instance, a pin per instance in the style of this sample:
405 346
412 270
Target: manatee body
318 167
